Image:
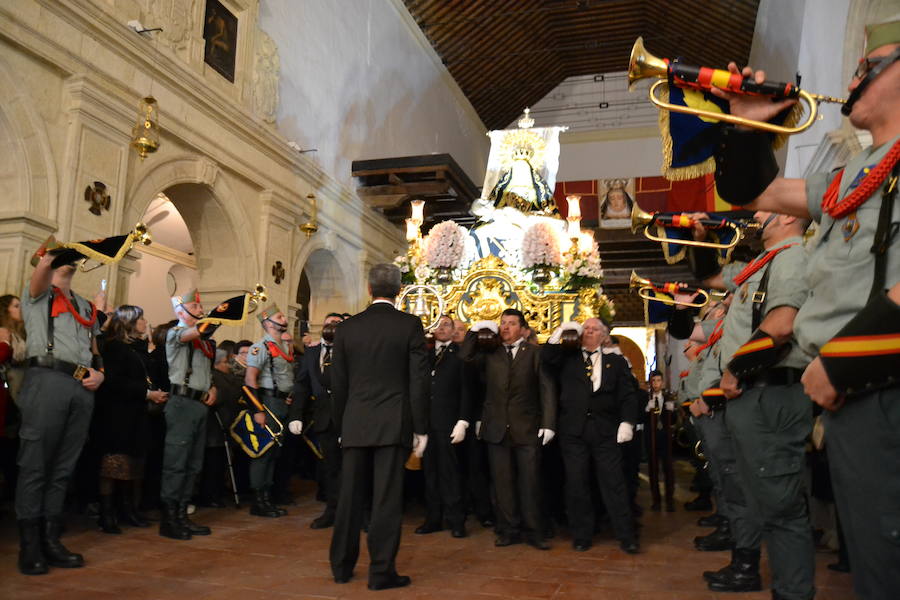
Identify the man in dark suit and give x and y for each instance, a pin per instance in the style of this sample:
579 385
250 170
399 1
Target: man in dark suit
379 386
597 411
661 414
449 418
519 415
313 407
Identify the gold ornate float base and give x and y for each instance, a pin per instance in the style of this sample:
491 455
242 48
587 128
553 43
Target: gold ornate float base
489 287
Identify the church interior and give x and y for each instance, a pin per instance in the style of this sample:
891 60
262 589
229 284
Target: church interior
288 146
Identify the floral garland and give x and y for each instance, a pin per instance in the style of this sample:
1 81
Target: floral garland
444 246
582 268
412 268
540 247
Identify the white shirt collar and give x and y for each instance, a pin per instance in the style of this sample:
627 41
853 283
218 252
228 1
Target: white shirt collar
439 345
388 302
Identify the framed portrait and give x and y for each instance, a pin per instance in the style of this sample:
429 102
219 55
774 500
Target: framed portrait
616 201
220 39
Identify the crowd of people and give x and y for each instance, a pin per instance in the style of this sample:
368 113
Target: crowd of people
523 436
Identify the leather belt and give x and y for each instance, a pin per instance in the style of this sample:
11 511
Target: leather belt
275 393
78 372
186 392
776 376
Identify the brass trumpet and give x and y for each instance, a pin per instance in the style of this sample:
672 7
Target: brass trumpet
643 65
641 218
257 296
645 286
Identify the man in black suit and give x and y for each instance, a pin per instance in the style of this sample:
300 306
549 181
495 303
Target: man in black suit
313 406
379 386
449 418
660 417
519 414
597 411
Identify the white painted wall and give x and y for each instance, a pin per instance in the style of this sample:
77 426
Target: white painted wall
359 81
606 159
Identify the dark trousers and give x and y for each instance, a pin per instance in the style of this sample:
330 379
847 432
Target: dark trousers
659 440
581 454
515 470
56 413
262 469
212 478
185 446
863 441
443 496
478 484
331 467
386 463
770 426
631 463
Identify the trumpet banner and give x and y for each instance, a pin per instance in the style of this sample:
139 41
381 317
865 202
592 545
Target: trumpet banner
253 438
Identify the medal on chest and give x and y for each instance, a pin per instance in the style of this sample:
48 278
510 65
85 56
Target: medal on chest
850 226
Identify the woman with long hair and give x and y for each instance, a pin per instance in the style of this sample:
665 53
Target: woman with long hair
121 420
12 358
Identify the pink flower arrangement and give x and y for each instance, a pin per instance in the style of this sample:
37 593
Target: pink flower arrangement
444 245
540 247
584 264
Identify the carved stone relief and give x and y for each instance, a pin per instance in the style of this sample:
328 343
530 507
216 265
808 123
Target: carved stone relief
176 17
266 71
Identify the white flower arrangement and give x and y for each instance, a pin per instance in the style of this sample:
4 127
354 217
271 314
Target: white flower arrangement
540 247
444 245
412 269
583 263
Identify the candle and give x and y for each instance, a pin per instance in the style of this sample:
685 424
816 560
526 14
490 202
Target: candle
574 229
418 209
412 230
574 207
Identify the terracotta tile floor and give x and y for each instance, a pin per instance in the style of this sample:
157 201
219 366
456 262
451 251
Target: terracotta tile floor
283 558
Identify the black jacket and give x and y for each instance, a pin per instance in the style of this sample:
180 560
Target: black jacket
380 378
450 391
518 398
312 401
613 402
121 423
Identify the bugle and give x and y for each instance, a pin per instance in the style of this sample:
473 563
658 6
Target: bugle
644 287
643 65
642 219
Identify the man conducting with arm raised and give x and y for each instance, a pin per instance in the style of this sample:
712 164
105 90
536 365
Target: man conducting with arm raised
380 386
851 321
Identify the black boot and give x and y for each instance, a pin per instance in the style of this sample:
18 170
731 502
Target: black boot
128 509
260 506
31 557
182 518
724 573
701 502
713 520
744 576
268 500
108 520
169 525
57 554
718 540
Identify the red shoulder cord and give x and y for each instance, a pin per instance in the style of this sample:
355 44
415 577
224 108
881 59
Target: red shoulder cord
62 304
275 351
759 263
205 347
714 337
870 183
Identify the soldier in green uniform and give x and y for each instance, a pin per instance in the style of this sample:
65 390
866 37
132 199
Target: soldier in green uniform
270 376
768 414
851 321
56 402
190 354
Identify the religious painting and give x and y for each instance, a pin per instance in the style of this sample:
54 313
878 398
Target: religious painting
616 201
220 38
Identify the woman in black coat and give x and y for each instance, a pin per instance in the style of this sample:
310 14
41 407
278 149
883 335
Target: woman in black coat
121 421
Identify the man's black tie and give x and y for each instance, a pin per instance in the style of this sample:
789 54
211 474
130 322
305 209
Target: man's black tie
440 354
509 352
326 368
588 362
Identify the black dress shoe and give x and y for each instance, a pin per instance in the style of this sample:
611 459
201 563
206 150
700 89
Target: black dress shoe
426 528
507 540
487 522
538 543
323 521
581 545
459 532
342 578
397 581
629 547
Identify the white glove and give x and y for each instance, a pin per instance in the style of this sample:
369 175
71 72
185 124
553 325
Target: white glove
650 405
478 429
625 433
557 333
295 427
419 443
459 432
669 405
546 435
492 325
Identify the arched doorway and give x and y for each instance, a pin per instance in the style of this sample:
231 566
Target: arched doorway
322 288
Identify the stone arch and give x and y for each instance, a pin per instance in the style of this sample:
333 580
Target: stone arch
330 271
221 230
24 142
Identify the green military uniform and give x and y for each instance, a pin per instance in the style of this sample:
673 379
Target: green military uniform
275 382
56 408
863 436
190 371
771 421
